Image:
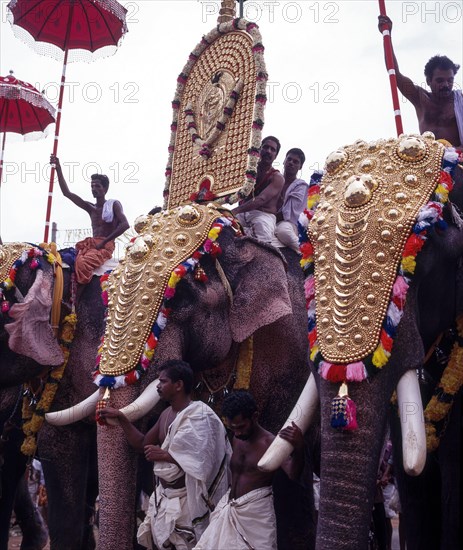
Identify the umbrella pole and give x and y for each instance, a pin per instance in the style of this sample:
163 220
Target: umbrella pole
1 157
57 126
1 173
391 70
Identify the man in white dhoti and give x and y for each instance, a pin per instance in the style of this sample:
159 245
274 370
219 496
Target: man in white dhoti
292 201
441 110
244 519
257 212
190 450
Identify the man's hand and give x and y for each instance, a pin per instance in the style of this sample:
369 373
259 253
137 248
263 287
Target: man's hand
54 160
384 21
154 453
110 412
292 434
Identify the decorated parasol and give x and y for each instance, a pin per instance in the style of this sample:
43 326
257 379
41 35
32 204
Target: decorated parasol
218 114
82 29
23 110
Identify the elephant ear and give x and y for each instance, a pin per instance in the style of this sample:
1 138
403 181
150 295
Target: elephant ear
257 274
30 333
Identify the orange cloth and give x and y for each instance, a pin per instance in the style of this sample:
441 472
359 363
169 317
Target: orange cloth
89 258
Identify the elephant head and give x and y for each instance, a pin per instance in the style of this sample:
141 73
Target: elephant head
27 273
354 238
235 287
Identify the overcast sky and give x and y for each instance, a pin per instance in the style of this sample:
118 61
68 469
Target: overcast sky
327 87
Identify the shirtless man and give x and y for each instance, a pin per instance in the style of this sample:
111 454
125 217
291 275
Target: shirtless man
292 201
441 110
245 516
189 450
108 223
257 213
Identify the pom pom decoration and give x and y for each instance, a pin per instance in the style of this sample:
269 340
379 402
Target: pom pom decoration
343 411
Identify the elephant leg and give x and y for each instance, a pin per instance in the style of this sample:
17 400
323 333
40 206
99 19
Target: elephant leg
64 454
33 528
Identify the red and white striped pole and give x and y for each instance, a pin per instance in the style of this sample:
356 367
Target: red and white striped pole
57 126
391 71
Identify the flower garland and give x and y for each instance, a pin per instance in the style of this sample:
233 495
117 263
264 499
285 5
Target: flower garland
260 100
208 247
205 145
34 415
450 383
428 217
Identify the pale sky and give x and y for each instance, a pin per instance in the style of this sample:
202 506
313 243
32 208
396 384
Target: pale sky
327 87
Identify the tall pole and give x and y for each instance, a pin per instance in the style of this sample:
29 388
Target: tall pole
391 70
58 124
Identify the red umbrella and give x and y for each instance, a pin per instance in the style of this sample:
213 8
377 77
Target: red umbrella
82 29
23 110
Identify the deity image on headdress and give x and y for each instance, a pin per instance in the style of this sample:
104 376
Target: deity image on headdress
212 101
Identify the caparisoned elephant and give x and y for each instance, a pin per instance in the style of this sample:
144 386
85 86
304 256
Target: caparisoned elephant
242 289
381 206
68 455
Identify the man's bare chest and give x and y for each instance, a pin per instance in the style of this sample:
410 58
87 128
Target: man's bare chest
436 113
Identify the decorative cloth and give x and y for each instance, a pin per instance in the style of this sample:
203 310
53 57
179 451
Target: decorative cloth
89 258
197 441
458 106
245 523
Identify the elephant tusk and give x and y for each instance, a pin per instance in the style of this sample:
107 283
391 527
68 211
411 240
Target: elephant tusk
412 421
74 414
301 415
141 406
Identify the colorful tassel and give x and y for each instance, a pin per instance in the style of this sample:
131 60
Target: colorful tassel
343 411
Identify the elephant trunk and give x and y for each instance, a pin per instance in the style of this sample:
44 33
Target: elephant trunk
117 467
349 467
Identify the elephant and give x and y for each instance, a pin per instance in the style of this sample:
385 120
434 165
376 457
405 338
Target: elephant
248 289
350 457
68 455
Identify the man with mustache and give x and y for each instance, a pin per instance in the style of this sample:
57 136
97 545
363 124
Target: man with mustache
245 518
441 110
257 212
190 453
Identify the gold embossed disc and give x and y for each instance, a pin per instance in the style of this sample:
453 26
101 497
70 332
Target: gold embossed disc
370 197
136 287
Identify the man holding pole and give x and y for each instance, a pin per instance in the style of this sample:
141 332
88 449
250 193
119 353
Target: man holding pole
441 110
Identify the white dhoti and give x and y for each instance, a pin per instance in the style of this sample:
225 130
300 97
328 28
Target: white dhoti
197 441
286 233
245 523
257 224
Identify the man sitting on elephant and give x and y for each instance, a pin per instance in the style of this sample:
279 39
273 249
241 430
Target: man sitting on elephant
245 517
108 223
292 201
190 450
257 213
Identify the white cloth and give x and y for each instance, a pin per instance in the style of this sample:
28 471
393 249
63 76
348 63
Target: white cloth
458 107
197 441
107 214
258 224
286 234
295 200
245 523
